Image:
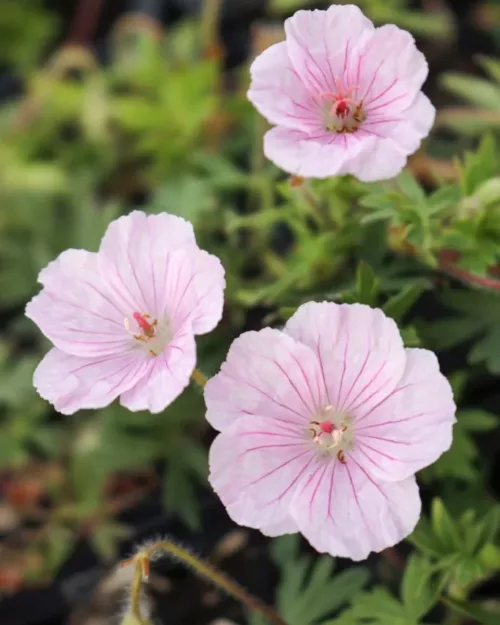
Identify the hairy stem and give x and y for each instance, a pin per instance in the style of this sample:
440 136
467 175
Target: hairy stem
135 595
202 568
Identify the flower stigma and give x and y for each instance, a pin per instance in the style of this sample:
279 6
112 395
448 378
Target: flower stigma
150 334
332 433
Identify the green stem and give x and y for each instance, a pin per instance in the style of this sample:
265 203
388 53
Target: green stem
209 25
135 596
199 378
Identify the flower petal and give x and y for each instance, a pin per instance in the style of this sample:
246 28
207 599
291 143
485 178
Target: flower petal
72 383
382 160
416 124
133 253
278 94
269 374
342 511
391 72
360 350
154 265
74 309
254 468
319 43
395 139
320 156
207 284
167 376
412 427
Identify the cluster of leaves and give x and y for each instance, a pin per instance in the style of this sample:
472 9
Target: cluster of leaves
308 590
456 225
481 95
452 557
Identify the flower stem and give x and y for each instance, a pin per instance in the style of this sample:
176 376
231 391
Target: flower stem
135 595
203 569
209 26
199 378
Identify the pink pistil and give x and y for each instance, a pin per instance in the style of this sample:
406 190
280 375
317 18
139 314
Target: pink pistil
326 426
145 326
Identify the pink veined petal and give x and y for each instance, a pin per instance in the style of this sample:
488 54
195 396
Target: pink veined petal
269 374
414 126
207 283
344 512
254 468
410 428
166 377
72 383
243 509
319 44
360 350
155 274
75 310
320 156
278 94
395 140
384 160
391 71
133 253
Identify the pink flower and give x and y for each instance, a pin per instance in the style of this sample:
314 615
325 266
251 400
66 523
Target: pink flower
123 320
344 96
323 426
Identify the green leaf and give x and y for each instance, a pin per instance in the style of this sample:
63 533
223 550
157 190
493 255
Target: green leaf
474 90
179 496
479 166
308 590
420 588
58 544
476 317
398 305
461 547
375 607
187 465
460 461
443 526
490 65
288 6
411 188
474 611
189 197
410 336
478 420
458 381
105 539
366 287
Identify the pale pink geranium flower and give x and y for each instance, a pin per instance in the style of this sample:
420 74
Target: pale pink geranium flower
323 426
344 97
123 320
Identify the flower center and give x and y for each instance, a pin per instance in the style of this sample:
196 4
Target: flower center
150 334
342 113
332 433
